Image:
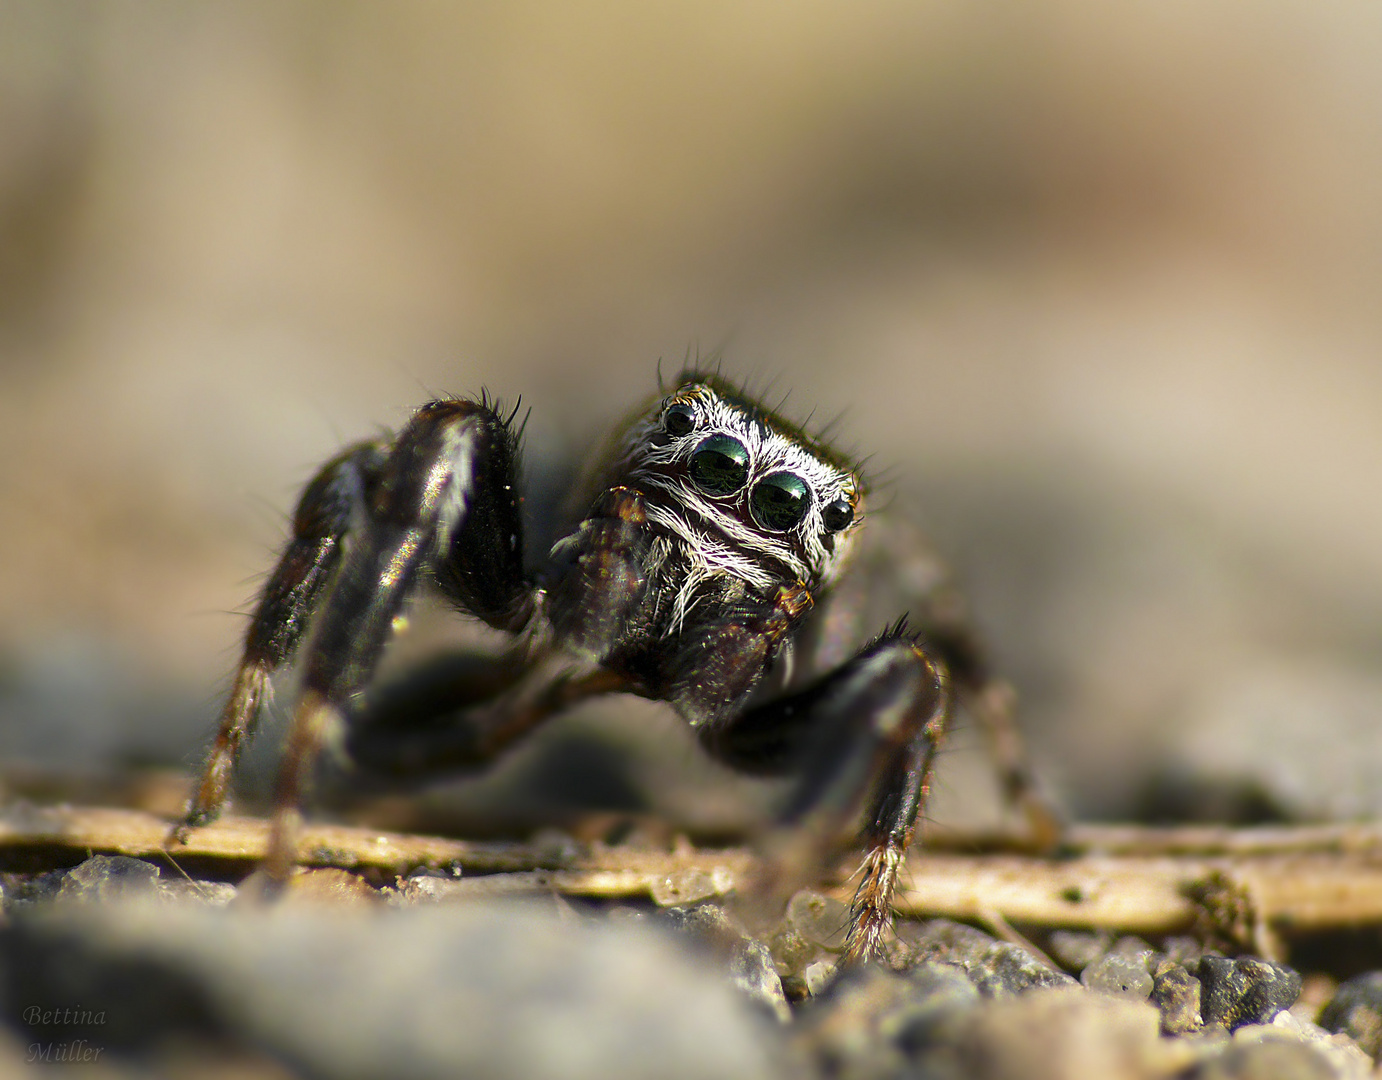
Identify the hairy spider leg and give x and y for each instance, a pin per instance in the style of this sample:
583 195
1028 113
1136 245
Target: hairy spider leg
319 522
898 562
868 730
445 501
442 497
466 718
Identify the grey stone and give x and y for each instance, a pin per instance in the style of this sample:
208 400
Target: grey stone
427 991
1050 1035
851 1028
749 962
821 920
707 922
1345 1060
109 877
996 968
1119 975
751 970
1075 950
1244 991
1274 1060
943 991
1356 1011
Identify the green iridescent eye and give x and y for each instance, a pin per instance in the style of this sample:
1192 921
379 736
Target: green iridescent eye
720 465
780 501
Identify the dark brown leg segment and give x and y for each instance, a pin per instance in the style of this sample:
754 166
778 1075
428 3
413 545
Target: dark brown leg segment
868 731
418 517
441 498
320 520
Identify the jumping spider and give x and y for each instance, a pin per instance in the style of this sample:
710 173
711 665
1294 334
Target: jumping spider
711 553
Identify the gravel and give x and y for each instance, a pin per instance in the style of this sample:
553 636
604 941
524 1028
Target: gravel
149 971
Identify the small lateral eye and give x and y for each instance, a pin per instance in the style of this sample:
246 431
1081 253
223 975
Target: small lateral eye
837 515
679 419
779 501
720 465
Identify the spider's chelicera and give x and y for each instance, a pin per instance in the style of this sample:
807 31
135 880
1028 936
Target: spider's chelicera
714 536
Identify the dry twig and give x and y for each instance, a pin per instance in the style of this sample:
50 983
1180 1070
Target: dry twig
1244 884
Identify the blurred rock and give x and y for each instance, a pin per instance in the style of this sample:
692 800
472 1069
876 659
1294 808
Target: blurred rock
109 877
1356 1010
1242 755
1061 1034
996 968
749 962
943 991
1075 950
422 992
1119 976
821 920
1277 1060
855 1027
1343 1056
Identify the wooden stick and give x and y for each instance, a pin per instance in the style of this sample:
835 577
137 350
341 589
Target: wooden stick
1245 883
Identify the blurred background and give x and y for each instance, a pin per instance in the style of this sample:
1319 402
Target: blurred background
1096 288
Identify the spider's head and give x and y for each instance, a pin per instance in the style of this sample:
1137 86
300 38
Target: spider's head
742 491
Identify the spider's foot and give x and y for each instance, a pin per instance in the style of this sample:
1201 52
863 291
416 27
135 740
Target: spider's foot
871 913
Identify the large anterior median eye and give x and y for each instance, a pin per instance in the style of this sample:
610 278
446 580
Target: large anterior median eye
779 501
720 465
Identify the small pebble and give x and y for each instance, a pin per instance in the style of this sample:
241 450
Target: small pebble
709 922
818 976
851 1026
792 952
1075 950
1244 991
1119 975
34 889
1356 1011
329 885
681 887
1131 945
109 877
819 919
751 970
996 968
1274 1060
943 991
1176 994
211 893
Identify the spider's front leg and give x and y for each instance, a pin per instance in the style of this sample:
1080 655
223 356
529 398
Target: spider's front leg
869 730
292 592
442 497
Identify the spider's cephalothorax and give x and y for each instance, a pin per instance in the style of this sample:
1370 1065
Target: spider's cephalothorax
729 523
715 537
